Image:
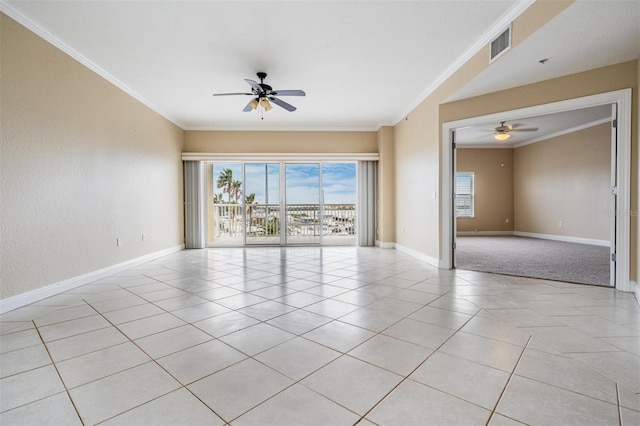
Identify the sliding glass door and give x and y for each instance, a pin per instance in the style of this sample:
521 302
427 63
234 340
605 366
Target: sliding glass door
224 204
280 203
303 204
262 203
339 204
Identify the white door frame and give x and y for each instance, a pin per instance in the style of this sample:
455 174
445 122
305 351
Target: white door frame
622 98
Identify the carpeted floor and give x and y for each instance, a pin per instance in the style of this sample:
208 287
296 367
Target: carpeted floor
536 258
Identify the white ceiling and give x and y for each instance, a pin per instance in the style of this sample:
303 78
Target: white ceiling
546 127
362 63
587 35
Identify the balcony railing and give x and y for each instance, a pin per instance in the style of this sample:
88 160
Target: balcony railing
301 220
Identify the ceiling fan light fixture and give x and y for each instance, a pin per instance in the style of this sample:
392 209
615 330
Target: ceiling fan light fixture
502 136
264 103
263 93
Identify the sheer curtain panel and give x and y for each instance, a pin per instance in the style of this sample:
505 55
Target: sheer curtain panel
195 197
366 203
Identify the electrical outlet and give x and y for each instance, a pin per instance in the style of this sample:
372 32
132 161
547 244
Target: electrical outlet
506 220
142 237
560 224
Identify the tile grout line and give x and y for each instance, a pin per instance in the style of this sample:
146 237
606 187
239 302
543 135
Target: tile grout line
419 365
508 381
342 354
619 407
159 365
618 388
53 363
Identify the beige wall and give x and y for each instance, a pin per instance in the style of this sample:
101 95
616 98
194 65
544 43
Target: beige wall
243 142
560 186
417 180
82 164
118 162
563 185
493 180
418 147
280 142
385 194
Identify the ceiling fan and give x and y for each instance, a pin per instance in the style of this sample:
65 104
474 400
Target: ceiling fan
263 93
503 132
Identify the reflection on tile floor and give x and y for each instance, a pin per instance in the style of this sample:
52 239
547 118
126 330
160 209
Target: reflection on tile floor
320 336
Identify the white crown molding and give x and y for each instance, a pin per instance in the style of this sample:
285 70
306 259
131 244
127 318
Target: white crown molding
279 129
55 41
499 26
493 145
384 124
24 299
564 132
487 145
489 35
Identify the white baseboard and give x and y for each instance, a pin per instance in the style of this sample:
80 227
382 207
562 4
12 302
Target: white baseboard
24 299
483 233
593 242
385 245
428 259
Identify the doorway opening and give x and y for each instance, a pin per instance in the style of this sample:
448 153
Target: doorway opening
620 172
535 205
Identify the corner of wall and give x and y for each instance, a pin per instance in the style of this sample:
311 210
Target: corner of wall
385 226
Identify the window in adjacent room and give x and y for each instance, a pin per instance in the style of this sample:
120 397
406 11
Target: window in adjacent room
464 194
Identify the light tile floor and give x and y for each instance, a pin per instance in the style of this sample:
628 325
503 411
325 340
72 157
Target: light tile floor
320 336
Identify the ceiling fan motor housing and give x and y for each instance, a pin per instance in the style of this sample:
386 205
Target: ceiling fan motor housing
502 128
266 89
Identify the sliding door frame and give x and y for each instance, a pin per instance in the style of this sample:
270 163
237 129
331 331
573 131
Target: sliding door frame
284 159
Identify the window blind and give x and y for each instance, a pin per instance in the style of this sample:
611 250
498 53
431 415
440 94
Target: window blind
464 194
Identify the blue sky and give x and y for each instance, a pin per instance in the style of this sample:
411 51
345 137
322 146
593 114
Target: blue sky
339 181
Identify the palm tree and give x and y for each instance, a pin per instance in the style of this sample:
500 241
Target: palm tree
225 180
217 198
236 190
249 202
